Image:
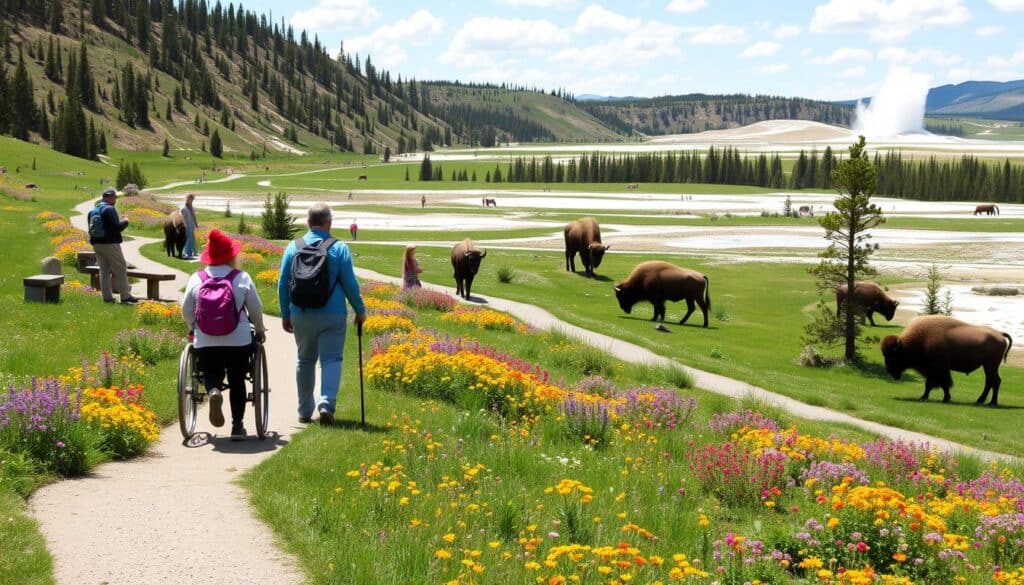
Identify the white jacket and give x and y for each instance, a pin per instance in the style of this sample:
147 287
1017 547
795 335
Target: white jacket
244 291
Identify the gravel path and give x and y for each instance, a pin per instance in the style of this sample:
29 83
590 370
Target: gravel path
630 352
176 515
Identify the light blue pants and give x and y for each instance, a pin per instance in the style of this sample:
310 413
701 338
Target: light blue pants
318 336
190 243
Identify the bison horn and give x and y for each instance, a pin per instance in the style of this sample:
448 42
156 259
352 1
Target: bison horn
618 289
466 254
896 303
484 255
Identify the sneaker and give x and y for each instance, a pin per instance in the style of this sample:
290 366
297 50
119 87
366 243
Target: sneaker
129 300
109 301
326 417
237 432
216 413
305 419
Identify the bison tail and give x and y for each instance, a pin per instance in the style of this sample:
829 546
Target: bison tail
1009 344
707 292
996 207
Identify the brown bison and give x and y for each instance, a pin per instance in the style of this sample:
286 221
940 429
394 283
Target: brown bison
584 237
986 209
466 259
657 282
869 299
935 344
174 234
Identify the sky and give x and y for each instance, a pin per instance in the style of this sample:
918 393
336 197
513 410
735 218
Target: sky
823 49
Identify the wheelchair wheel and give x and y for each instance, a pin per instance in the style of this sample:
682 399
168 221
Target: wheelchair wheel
187 398
260 391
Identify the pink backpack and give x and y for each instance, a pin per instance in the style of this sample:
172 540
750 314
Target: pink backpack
215 304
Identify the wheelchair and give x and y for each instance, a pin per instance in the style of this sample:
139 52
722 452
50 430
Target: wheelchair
192 393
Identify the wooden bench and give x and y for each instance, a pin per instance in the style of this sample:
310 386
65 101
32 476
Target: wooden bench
43 288
153 280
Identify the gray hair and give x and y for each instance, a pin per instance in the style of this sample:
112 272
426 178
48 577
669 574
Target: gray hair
319 215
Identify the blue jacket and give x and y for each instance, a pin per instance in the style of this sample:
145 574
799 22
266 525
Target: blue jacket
339 270
113 225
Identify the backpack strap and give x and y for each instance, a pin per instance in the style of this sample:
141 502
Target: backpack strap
300 243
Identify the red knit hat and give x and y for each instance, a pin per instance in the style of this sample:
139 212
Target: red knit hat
220 249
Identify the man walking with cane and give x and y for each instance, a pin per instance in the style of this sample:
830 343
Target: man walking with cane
316 279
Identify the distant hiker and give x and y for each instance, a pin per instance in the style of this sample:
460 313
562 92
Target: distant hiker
188 214
423 201
410 268
105 228
353 229
214 301
350 195
316 278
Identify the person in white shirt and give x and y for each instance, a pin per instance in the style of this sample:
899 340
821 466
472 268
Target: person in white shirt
188 214
227 353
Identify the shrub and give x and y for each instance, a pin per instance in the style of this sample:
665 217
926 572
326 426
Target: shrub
160 314
726 422
721 314
151 346
127 426
278 224
506 274
585 420
656 407
421 298
732 473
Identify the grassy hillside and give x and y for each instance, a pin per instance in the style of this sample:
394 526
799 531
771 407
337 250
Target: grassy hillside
685 114
542 116
985 129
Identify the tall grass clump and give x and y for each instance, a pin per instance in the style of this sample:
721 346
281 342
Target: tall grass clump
506 273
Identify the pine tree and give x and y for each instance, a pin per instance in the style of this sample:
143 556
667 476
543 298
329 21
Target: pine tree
99 12
142 25
50 69
92 144
103 142
23 106
167 115
277 223
85 85
426 172
141 102
56 16
167 149
846 258
243 227
216 148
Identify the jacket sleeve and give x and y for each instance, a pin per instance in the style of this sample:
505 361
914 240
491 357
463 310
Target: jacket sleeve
349 283
112 222
188 302
283 295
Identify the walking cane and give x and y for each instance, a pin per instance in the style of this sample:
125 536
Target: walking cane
362 403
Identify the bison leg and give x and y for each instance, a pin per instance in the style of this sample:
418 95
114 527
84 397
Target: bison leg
659 310
992 381
458 286
705 309
689 311
570 261
871 318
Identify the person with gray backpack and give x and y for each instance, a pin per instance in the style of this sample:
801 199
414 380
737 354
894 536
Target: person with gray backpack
105 228
316 279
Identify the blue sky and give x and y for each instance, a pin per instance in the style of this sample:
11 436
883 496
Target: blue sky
830 49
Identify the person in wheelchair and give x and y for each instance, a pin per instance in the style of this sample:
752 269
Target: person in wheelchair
215 299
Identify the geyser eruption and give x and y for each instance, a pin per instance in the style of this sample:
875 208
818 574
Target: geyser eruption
897 108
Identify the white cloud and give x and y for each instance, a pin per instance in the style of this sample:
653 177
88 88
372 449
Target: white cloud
989 31
654 40
557 4
686 6
761 49
716 34
960 74
775 68
1006 62
785 31
1008 5
387 44
597 18
887 20
843 55
852 72
332 14
901 56
482 39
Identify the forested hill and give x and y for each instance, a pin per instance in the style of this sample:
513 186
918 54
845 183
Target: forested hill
196 75
486 115
684 114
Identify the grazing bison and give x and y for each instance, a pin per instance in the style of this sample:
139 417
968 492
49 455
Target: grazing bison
986 209
174 234
657 282
870 299
466 259
584 237
935 344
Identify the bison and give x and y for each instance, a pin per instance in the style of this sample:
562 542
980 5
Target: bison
174 234
584 237
986 209
935 344
657 282
869 299
466 259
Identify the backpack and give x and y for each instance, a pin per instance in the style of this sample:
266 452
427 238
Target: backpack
309 285
96 228
215 304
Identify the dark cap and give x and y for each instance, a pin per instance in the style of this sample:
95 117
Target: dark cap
110 191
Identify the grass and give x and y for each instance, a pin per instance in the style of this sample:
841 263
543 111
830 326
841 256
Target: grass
758 344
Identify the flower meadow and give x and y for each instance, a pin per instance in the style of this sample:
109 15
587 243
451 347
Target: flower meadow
501 472
67 424
65 239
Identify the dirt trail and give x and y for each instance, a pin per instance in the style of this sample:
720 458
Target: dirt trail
175 515
630 352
